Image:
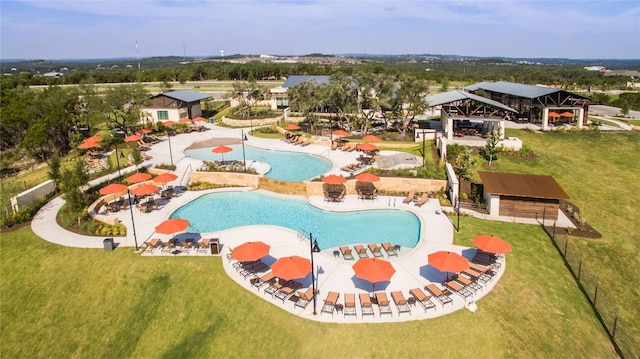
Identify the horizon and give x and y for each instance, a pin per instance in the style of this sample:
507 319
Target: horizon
490 29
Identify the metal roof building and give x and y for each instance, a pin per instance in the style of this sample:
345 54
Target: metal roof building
175 105
298 79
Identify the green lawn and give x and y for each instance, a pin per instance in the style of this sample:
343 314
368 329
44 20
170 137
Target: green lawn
61 302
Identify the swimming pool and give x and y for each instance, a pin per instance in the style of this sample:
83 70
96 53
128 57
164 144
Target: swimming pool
224 210
285 166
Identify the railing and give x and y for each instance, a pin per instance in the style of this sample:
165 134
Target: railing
186 174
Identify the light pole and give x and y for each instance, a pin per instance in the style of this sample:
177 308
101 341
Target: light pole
314 249
133 223
244 158
118 161
170 153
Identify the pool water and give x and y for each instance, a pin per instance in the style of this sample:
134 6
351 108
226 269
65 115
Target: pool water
285 166
224 210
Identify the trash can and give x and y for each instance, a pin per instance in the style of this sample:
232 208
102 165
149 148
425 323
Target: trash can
215 246
108 244
210 119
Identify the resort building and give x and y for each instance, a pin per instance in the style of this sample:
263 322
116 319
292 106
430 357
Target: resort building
174 105
279 96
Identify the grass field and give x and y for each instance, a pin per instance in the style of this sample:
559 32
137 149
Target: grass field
62 302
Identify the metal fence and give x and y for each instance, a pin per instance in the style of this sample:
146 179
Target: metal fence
606 309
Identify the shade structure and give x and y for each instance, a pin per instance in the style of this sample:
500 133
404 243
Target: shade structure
366 147
87 145
250 251
199 119
93 139
169 123
334 179
367 177
132 138
292 127
554 114
340 133
165 177
446 261
371 138
145 189
113 188
373 270
222 149
289 268
491 244
138 177
173 225
567 114
185 120
144 131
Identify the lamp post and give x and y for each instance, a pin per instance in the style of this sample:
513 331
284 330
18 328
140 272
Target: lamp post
118 161
244 157
133 223
314 249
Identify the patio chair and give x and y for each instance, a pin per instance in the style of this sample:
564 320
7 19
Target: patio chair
304 298
409 197
375 249
468 283
251 272
400 302
346 253
350 304
366 307
423 199
384 306
287 291
423 299
266 279
441 295
461 290
151 245
275 287
362 251
391 250
203 245
330 303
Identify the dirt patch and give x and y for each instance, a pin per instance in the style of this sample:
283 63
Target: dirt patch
15 227
583 230
214 142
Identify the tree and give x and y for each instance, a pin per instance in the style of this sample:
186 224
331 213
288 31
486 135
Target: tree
491 149
407 101
54 169
341 97
305 97
248 95
72 182
464 162
122 106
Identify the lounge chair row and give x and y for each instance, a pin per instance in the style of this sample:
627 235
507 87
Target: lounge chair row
189 246
424 198
375 249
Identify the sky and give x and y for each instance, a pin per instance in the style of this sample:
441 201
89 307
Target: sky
88 29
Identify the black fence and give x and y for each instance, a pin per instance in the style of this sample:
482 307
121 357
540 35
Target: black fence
607 310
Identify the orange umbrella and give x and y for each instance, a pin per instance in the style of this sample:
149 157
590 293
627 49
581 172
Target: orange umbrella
185 120
292 127
373 270
334 179
138 177
250 251
448 261
340 133
165 177
222 149
172 225
289 268
554 114
113 188
144 131
567 114
144 190
132 138
366 147
371 138
86 145
200 119
367 177
169 123
94 139
491 244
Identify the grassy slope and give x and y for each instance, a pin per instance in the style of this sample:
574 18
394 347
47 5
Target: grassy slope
64 302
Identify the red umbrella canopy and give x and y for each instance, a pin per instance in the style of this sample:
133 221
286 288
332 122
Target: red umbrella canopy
554 114
366 147
145 189
250 251
289 268
185 120
132 138
94 139
222 149
172 225
340 133
371 138
491 244
292 127
567 114
448 261
113 188
367 177
86 145
334 179
169 123
144 131
138 177
373 269
200 119
165 177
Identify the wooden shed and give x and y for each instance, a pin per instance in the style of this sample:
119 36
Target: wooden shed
522 195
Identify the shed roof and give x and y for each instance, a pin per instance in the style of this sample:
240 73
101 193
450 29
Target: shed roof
184 95
457 95
297 79
522 185
512 88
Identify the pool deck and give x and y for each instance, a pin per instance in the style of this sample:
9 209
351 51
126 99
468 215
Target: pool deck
334 273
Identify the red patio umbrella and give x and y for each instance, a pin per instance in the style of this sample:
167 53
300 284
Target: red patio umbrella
199 119
446 261
185 120
87 145
169 123
334 179
371 138
93 139
289 268
173 225
292 127
340 133
222 149
367 177
250 251
113 188
144 131
373 270
491 244
145 189
366 147
567 114
554 114
138 177
165 177
132 138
